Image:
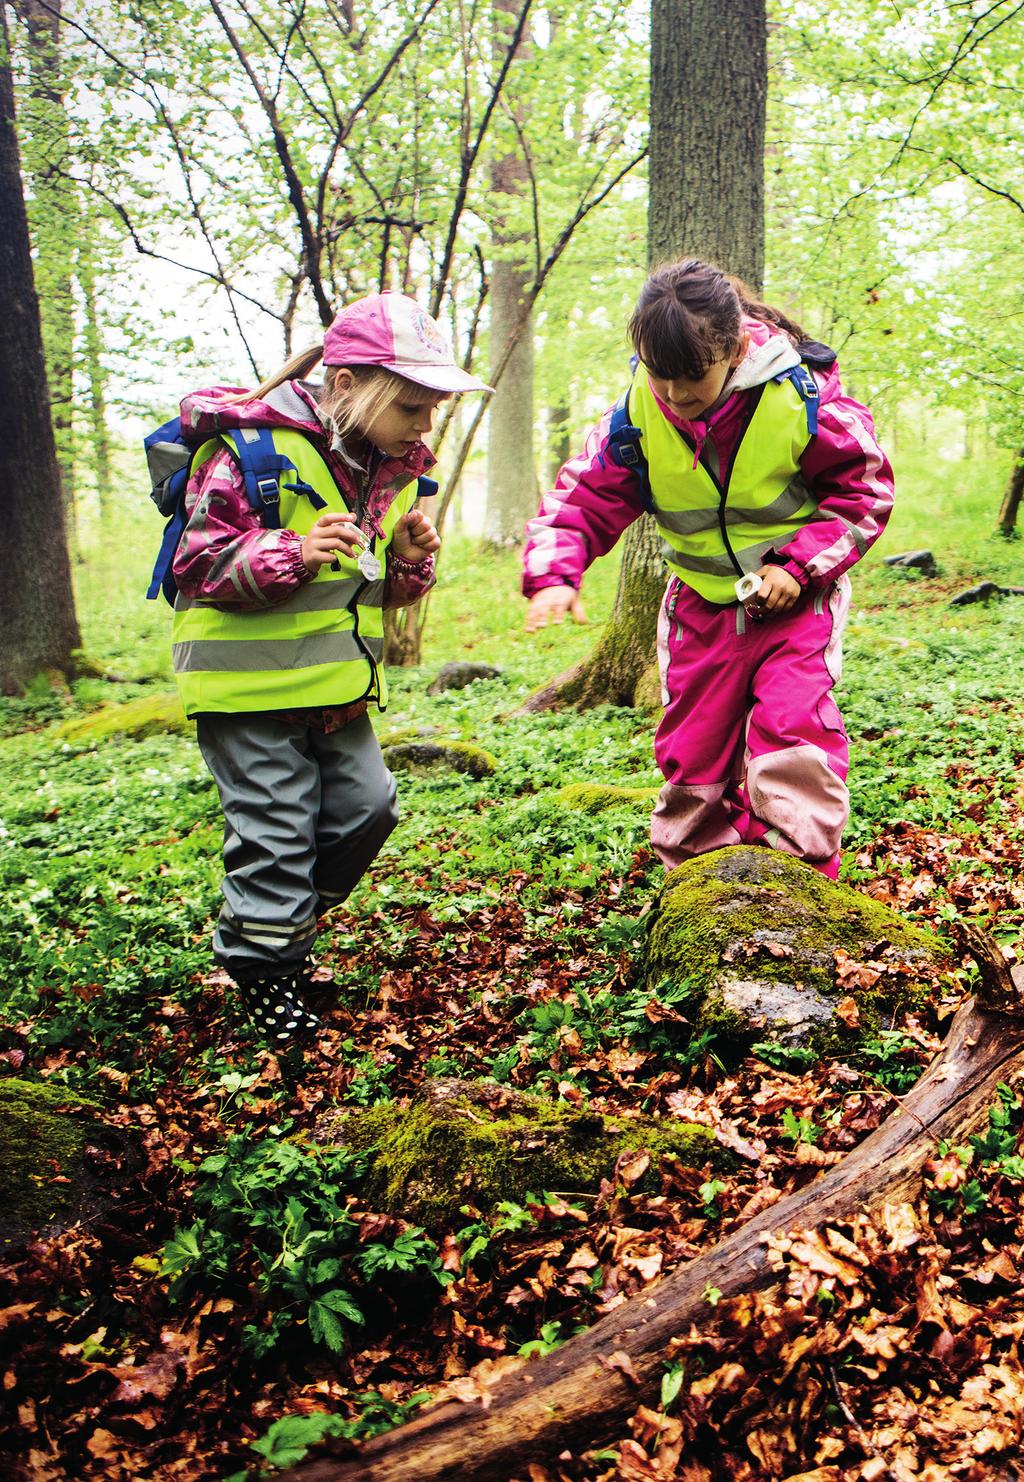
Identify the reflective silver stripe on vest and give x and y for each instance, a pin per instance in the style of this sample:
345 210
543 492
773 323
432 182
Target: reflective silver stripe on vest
793 497
251 655
315 596
749 559
693 521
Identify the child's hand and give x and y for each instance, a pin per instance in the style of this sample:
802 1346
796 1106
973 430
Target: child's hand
332 535
778 592
550 605
415 536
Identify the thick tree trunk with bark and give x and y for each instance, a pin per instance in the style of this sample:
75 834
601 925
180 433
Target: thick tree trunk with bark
39 629
579 1397
709 86
1010 506
53 225
708 97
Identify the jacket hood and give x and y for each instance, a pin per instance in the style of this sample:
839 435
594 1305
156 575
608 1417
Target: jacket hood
769 352
291 405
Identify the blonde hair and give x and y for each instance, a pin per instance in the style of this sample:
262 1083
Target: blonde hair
348 409
373 391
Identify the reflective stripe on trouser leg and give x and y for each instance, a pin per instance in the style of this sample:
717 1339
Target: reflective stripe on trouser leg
269 784
705 669
357 809
797 753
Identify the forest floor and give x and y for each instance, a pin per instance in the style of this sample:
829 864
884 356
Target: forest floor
241 1300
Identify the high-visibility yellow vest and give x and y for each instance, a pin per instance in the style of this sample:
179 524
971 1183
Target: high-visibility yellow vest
323 645
714 528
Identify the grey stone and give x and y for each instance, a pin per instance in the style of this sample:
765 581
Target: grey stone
456 676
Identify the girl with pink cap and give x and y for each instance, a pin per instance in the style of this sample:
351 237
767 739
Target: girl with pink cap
278 630
766 485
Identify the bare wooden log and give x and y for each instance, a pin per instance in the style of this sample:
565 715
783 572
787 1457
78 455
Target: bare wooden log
578 1397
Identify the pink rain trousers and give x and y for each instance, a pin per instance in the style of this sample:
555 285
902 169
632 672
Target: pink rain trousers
751 745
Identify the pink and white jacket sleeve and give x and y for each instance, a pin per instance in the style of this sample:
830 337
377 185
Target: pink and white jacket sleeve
407 581
852 480
226 555
592 503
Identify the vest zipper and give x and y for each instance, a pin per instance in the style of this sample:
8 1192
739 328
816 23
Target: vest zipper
722 484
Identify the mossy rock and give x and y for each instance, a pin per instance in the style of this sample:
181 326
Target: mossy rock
401 735
424 758
479 1142
460 673
46 1129
753 935
151 715
598 797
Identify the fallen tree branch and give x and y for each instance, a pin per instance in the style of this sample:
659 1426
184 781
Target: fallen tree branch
575 1399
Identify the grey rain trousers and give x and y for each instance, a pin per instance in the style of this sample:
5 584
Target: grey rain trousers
305 815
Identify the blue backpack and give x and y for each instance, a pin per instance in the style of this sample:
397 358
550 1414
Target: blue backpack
169 453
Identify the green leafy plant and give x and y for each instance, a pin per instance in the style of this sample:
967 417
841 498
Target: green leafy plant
278 1210
798 1129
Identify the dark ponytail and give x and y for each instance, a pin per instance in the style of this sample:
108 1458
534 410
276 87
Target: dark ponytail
689 315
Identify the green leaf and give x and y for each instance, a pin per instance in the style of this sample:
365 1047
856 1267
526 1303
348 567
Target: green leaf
325 1328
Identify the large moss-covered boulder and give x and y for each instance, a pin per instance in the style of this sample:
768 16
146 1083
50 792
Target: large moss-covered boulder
424 758
152 715
47 1178
479 1142
754 936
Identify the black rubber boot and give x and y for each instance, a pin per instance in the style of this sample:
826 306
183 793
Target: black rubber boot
276 1007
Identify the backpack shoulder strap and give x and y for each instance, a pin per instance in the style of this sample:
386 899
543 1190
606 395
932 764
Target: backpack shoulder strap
426 488
807 386
813 356
625 448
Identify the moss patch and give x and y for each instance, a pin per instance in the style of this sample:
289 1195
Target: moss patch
742 917
648 692
44 1131
477 1142
421 758
597 797
149 716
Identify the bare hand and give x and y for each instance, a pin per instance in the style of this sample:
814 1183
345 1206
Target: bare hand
332 535
778 592
551 604
415 536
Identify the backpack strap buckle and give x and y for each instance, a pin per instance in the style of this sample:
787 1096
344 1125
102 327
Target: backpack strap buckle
269 491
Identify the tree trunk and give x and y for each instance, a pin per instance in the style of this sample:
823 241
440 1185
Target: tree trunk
96 378
39 629
708 96
53 227
1007 525
511 472
577 1399
709 86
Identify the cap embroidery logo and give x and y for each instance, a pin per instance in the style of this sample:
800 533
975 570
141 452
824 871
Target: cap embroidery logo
429 335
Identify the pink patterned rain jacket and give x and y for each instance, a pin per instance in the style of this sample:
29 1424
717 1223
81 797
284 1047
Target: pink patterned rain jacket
226 555
594 500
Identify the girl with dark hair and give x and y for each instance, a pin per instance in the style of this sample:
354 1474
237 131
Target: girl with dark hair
766 484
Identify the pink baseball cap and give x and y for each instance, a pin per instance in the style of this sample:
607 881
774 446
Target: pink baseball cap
392 331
